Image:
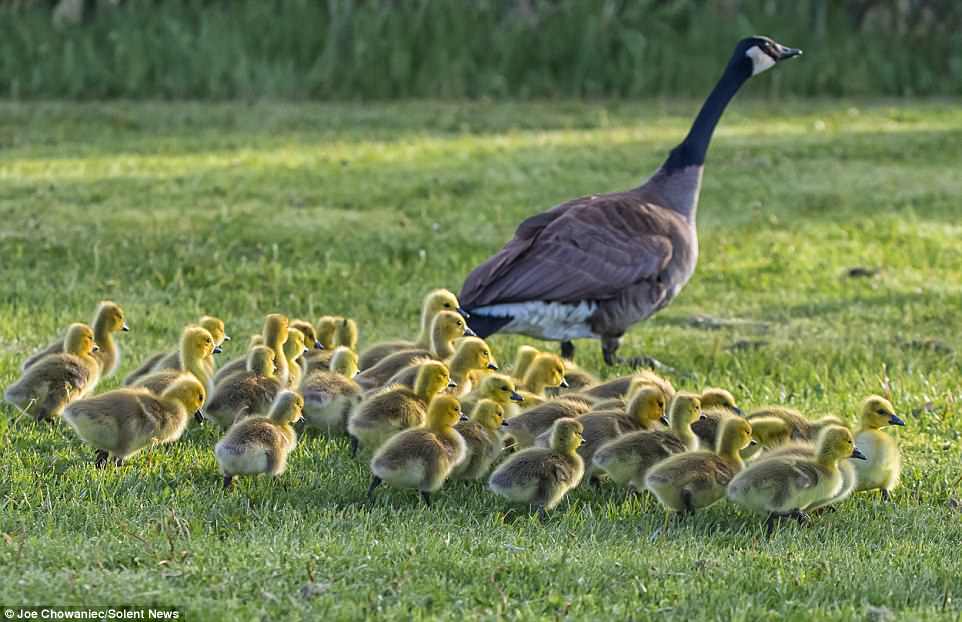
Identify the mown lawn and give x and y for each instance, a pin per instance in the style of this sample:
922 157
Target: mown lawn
239 210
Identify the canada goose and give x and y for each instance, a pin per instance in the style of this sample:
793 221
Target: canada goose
789 485
645 411
422 458
435 302
196 344
470 355
330 395
716 405
800 427
498 388
883 462
393 409
482 439
623 386
294 348
108 319
257 445
531 423
540 476
446 327
54 380
594 266
274 336
627 459
121 422
522 361
243 393
693 480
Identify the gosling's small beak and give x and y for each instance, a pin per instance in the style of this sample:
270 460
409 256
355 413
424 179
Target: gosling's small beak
516 397
452 384
318 345
306 350
896 420
663 419
463 418
199 418
218 349
125 328
96 348
702 417
738 411
464 313
784 53
226 337
564 384
469 333
858 455
492 366
753 442
504 424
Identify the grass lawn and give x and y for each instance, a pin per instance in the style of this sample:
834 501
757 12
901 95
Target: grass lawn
238 210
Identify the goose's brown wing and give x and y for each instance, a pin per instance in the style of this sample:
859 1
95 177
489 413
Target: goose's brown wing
588 249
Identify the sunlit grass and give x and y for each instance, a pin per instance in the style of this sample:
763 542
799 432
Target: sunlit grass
179 210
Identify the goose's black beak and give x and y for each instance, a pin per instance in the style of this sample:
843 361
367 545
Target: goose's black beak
198 417
896 420
468 332
858 455
125 328
492 366
516 397
464 313
784 53
218 349
663 419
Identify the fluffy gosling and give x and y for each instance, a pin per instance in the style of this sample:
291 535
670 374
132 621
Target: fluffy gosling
422 458
694 480
541 477
108 319
547 371
55 380
256 445
394 409
531 423
470 355
196 345
244 393
789 485
120 423
800 427
497 388
482 437
883 463
330 396
274 336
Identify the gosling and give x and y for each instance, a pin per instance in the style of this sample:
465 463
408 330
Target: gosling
53 381
196 345
482 438
258 445
330 396
541 477
422 458
108 319
249 392
120 423
883 463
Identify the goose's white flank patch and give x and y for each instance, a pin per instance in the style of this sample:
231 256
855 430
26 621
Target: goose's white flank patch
545 320
760 60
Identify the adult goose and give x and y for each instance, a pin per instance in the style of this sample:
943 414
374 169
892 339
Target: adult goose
593 267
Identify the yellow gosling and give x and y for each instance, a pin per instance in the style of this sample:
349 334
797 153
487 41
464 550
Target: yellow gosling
883 462
256 445
800 427
789 485
294 348
120 423
274 336
393 409
628 458
422 458
108 319
331 395
623 386
482 438
435 302
471 354
694 480
196 345
540 477
522 362
498 388
547 371
244 393
55 380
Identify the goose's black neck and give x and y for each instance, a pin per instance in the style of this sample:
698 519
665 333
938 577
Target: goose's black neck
692 150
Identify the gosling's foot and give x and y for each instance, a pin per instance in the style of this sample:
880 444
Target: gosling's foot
100 459
228 482
375 482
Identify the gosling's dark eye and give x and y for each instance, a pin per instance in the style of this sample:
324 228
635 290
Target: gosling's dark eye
882 412
447 305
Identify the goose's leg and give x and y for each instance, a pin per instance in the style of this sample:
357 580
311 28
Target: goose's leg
228 481
100 459
885 494
770 524
567 350
609 349
426 497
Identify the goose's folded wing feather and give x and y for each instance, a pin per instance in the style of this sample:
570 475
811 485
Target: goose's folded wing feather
588 249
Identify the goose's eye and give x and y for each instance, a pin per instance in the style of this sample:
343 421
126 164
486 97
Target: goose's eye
447 305
882 412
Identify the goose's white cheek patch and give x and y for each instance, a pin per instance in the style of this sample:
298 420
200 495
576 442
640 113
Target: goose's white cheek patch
760 60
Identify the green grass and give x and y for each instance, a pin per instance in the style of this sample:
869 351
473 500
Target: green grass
179 210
